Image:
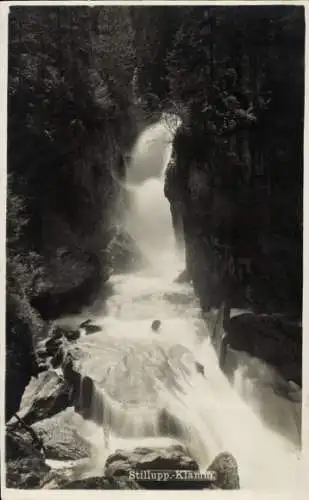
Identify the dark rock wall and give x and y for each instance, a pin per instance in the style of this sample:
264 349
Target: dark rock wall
69 125
238 166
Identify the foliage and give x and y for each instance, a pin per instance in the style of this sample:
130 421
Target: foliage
70 73
242 131
69 123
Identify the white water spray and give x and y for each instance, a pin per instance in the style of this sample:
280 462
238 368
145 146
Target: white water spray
147 381
149 219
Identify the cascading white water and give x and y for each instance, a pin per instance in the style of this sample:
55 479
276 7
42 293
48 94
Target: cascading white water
145 376
149 221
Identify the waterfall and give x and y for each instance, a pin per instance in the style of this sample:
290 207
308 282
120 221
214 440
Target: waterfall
140 384
149 219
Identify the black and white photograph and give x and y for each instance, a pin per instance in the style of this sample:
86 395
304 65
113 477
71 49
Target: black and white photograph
154 246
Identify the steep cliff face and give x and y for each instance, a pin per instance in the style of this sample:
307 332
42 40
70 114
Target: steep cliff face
236 247
70 123
238 158
69 126
235 182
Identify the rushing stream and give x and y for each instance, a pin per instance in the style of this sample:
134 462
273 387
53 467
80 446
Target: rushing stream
147 380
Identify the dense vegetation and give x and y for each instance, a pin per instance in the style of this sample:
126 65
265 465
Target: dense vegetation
239 154
69 125
69 100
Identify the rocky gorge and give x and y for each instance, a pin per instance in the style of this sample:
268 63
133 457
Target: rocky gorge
99 194
49 434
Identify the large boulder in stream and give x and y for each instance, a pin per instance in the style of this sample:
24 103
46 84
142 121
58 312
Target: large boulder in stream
44 396
181 470
137 464
226 471
170 458
61 438
89 329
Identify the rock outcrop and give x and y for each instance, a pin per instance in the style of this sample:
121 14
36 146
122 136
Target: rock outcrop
181 471
61 295
170 458
26 473
273 339
226 471
89 329
60 436
234 257
19 444
235 179
25 461
22 327
52 349
141 461
44 397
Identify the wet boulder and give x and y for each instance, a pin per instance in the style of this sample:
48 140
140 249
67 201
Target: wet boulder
172 457
44 396
89 329
226 472
137 464
52 345
61 438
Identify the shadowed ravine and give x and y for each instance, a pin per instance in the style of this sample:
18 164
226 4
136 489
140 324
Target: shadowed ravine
143 385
